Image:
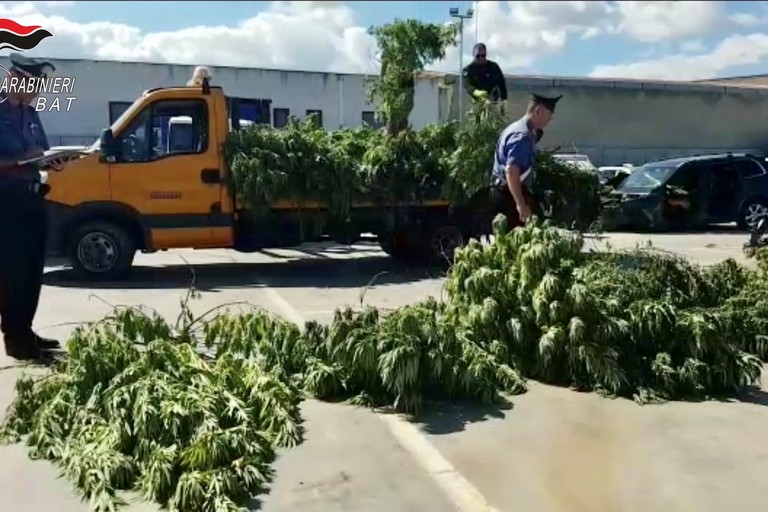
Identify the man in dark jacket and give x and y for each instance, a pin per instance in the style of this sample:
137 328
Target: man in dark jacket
483 78
23 216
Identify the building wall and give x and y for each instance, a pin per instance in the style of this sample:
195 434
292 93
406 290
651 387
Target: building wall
739 80
617 122
342 98
612 121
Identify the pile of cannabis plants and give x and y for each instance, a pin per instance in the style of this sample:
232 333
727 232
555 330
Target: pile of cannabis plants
394 359
638 322
314 167
137 406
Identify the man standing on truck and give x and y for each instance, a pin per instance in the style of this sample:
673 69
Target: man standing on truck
512 173
483 78
23 216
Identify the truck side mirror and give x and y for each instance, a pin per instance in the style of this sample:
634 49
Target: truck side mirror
107 145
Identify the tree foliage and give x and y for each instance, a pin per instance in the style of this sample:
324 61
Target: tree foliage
406 47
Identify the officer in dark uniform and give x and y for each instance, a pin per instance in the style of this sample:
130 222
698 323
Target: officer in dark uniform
512 173
483 78
23 217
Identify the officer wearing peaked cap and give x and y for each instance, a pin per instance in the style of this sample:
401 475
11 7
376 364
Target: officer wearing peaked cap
23 216
512 174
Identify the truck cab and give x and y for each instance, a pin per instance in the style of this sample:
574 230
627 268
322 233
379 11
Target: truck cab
155 180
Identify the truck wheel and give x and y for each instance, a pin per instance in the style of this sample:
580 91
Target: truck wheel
394 244
101 251
443 242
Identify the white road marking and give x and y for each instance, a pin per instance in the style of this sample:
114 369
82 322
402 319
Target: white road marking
458 489
290 312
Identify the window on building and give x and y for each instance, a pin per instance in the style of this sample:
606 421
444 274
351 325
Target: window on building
280 116
369 119
318 116
116 109
166 128
749 168
247 112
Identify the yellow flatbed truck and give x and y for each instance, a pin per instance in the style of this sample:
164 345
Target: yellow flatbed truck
158 179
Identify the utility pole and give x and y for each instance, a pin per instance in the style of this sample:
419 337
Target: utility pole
461 17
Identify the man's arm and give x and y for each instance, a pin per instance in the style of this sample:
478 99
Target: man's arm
513 173
468 80
501 82
518 158
11 151
44 136
7 166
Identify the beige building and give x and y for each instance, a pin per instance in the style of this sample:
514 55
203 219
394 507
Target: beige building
636 121
613 121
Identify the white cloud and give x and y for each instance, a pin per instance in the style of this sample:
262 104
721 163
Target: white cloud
326 36
288 35
733 51
663 21
745 19
695 45
21 8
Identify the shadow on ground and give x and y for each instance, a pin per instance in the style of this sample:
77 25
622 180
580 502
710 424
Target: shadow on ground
440 418
715 229
751 395
297 273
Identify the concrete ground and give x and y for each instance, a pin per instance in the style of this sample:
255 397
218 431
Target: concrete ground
555 451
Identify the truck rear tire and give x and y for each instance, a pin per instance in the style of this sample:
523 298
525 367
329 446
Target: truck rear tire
396 245
443 242
101 251
431 246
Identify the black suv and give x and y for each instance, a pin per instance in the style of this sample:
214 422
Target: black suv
693 192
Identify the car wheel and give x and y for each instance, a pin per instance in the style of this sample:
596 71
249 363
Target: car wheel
752 212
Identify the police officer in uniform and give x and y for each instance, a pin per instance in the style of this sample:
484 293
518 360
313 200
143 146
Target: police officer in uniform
23 216
512 173
483 78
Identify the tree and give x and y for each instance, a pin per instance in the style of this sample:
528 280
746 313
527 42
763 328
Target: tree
406 47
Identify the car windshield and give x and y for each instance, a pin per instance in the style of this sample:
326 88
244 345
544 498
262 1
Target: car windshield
649 176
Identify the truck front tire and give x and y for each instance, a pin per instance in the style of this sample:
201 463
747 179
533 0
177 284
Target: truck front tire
101 251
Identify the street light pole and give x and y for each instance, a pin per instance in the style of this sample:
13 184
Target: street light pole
461 17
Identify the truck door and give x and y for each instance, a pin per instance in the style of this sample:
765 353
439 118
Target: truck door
167 168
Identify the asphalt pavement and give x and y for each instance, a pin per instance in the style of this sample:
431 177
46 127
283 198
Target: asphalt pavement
550 450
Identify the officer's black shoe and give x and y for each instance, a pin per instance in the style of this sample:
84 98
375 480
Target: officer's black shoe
47 343
27 353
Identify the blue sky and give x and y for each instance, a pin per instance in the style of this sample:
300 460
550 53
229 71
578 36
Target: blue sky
673 40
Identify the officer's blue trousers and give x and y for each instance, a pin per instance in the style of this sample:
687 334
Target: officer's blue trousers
23 230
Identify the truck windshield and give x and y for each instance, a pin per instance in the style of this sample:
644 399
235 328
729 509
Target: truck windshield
649 176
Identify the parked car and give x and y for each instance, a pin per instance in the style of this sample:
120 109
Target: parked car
608 172
692 192
577 160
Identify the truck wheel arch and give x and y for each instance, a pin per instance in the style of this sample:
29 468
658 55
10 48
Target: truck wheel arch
116 213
